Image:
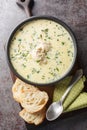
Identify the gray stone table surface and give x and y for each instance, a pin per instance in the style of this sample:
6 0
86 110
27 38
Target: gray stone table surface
74 13
10 16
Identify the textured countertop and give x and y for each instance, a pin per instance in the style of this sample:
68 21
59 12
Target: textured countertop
10 16
74 13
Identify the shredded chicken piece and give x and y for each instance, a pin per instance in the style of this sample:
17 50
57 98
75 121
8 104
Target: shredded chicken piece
40 52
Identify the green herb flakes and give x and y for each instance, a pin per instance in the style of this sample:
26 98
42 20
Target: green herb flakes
43 77
19 40
63 43
57 69
28 76
47 57
24 65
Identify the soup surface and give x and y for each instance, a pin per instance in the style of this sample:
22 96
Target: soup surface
42 51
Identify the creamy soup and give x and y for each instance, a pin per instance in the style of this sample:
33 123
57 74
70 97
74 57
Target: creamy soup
42 51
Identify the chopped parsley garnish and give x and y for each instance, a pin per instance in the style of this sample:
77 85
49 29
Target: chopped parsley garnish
24 54
24 65
45 30
60 62
38 61
63 43
52 73
43 77
19 40
68 38
57 69
49 37
70 53
56 54
28 76
38 71
47 57
40 35
45 39
35 71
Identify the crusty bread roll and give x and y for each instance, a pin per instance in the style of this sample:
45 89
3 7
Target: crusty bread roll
36 118
34 101
20 87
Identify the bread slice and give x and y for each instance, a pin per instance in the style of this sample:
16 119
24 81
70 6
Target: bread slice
34 101
36 118
19 88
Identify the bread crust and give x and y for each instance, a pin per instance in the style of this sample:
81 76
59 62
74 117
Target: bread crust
36 118
19 88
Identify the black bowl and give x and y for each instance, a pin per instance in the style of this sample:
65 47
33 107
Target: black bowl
37 18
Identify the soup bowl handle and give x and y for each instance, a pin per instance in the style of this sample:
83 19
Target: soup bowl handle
26 5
